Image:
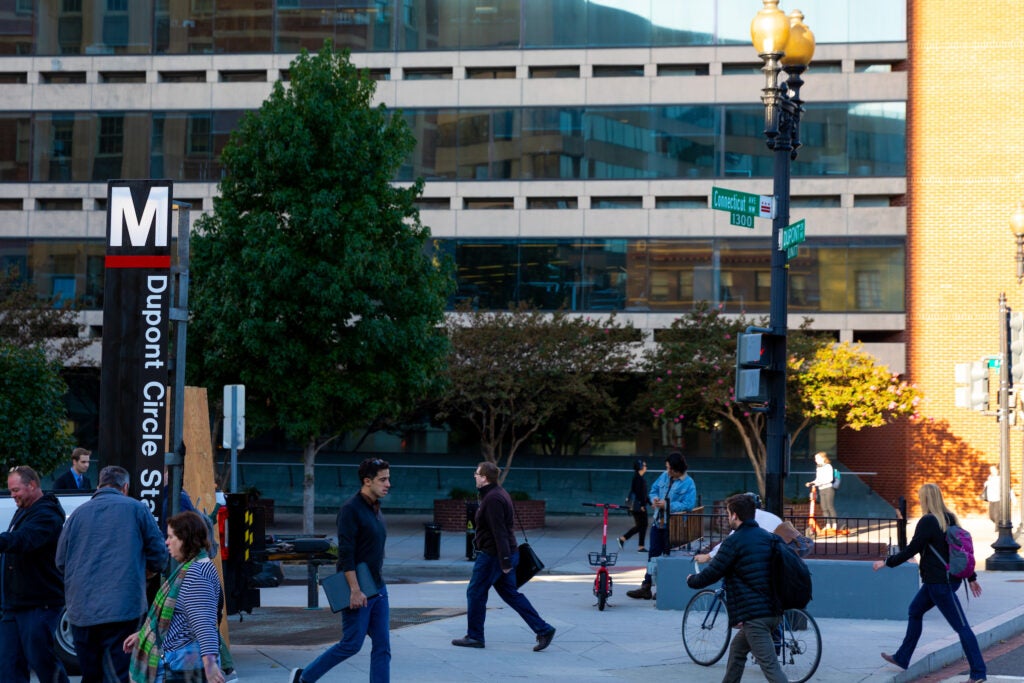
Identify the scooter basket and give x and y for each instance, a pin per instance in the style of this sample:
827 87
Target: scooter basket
606 559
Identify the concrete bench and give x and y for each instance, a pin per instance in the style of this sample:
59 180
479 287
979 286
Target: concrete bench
843 589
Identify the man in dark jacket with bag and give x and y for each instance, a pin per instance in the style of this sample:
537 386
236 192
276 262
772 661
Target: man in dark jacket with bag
496 559
33 589
744 560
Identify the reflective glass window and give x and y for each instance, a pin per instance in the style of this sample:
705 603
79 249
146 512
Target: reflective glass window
121 149
555 23
359 25
620 24
684 139
429 25
489 24
433 157
105 27
682 22
15 147
676 274
61 270
552 143
618 143
488 144
17 20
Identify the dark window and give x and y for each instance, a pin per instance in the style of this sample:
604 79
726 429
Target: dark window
618 70
62 77
253 76
554 72
122 77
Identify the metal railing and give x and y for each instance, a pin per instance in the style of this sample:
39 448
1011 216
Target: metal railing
855 537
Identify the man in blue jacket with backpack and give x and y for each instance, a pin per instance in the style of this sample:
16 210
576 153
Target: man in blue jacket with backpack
744 560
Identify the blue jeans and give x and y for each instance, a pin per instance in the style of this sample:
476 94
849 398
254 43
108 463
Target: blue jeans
656 548
26 642
100 653
356 624
486 573
943 596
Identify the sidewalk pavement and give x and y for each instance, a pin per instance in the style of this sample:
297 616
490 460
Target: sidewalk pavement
629 641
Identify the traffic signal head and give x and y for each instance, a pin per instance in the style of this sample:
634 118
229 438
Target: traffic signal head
753 359
973 390
1016 355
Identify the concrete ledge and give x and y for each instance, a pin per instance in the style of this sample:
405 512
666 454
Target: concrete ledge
843 589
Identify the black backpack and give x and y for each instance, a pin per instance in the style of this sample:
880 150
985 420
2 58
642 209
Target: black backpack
790 577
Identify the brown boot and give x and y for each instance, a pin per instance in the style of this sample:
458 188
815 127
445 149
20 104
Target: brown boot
641 593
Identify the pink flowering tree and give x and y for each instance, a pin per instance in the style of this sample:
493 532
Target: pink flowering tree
693 374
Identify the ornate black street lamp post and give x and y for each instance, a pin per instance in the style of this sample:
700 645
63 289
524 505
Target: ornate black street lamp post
785 44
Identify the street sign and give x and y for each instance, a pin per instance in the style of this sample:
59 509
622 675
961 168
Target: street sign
742 220
792 252
792 235
743 203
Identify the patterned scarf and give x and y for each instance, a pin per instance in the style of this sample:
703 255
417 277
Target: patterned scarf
147 654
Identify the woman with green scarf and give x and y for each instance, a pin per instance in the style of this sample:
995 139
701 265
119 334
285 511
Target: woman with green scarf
179 640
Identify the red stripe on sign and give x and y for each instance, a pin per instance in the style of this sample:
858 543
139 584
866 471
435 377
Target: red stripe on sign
138 262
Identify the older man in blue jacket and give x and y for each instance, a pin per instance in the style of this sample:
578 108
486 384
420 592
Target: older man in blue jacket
107 547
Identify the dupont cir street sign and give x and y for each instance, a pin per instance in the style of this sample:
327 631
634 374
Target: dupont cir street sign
743 207
792 235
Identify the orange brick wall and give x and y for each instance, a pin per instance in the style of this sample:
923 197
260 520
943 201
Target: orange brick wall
965 167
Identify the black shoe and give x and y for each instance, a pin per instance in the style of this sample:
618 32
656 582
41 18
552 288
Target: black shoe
466 641
892 660
295 676
544 639
622 542
641 593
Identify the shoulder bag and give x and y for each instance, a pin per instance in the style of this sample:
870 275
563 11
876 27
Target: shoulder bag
529 563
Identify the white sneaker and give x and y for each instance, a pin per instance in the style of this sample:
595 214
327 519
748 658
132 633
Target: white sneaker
295 676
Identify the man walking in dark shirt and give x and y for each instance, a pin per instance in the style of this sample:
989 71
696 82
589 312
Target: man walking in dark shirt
496 559
361 536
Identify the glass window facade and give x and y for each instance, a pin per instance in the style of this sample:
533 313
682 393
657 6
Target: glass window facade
542 143
672 275
65 27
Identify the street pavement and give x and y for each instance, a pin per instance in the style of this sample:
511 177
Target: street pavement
629 641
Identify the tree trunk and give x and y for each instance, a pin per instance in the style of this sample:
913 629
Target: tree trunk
308 488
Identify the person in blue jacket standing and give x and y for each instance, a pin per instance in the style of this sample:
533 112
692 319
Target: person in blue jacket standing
674 491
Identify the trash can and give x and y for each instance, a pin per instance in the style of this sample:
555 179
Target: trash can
431 541
471 509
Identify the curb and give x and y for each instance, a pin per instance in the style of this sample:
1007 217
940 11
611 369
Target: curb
948 650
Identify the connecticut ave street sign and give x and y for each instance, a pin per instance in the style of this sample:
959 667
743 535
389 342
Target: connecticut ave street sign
743 207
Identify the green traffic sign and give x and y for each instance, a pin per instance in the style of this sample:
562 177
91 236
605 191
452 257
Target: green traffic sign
756 205
792 235
742 220
792 252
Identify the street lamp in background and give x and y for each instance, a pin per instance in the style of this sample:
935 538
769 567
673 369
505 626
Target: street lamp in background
785 44
1017 225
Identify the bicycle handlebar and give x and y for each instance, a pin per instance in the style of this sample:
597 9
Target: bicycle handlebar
610 506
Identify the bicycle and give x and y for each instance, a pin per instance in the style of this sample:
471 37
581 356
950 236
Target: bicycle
603 559
706 635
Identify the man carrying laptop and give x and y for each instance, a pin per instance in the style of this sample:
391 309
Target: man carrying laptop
361 536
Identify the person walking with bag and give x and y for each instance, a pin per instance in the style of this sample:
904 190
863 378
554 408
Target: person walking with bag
638 502
496 559
179 639
938 588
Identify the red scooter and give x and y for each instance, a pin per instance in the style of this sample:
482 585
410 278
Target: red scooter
604 559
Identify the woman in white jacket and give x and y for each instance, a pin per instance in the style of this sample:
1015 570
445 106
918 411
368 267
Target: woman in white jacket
823 478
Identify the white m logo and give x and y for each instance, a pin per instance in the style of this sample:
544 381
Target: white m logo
122 213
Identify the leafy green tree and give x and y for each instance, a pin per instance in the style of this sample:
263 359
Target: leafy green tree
27 321
311 281
33 426
694 376
510 373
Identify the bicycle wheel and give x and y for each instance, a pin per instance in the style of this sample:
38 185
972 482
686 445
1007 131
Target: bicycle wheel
800 651
706 628
602 591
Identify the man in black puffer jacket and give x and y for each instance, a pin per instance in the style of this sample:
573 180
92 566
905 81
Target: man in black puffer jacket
33 589
744 560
